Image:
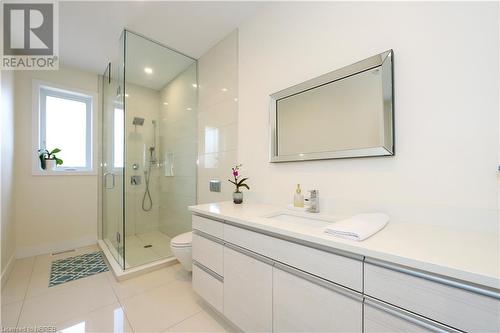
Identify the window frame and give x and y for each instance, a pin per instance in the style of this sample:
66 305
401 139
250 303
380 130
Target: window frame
117 105
41 90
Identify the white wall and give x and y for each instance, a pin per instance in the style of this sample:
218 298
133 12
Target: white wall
52 213
8 231
446 106
217 114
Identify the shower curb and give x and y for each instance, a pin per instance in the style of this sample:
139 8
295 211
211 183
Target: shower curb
121 275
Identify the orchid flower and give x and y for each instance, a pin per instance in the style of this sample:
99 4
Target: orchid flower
238 182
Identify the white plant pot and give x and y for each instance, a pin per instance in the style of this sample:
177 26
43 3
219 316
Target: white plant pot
50 165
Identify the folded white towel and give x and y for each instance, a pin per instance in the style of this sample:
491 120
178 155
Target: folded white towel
358 227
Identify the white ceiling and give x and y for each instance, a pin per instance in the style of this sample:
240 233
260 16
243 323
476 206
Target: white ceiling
89 31
165 64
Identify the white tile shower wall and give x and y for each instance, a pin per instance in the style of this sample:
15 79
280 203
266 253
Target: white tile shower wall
144 103
178 152
446 106
217 118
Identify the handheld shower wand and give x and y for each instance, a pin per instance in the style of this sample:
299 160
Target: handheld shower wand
147 202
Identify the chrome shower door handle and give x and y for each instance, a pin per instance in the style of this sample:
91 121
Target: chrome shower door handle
105 176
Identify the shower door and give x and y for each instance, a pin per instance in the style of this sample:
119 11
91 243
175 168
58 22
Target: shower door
113 149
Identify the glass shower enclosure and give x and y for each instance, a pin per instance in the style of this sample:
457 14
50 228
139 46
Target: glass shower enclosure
149 149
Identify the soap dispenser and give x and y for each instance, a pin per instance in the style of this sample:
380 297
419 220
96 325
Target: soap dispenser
298 199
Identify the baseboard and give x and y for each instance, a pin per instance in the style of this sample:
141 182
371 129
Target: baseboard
30 251
6 271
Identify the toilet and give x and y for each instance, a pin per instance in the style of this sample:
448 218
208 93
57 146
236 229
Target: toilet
181 248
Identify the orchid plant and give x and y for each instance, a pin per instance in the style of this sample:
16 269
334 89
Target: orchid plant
237 181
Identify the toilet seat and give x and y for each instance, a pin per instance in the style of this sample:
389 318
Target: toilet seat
182 240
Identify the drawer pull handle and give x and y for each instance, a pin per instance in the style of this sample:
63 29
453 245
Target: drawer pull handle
319 281
209 237
435 278
250 253
208 271
408 316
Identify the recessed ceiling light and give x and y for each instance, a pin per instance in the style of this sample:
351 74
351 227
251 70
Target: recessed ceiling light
223 89
189 109
148 70
195 85
165 103
236 99
126 95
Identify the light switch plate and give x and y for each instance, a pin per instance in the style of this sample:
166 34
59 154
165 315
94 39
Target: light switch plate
215 185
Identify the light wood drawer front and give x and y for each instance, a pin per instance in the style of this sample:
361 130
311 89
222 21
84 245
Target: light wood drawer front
300 305
249 240
339 269
248 291
456 307
208 226
208 253
208 287
378 319
336 268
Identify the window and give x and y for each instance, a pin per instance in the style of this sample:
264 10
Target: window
118 137
65 120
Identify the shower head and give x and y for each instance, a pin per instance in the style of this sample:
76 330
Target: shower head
138 121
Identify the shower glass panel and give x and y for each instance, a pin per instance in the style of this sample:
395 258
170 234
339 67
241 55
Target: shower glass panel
113 147
159 142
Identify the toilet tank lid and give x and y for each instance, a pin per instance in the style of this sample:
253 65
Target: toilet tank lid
183 239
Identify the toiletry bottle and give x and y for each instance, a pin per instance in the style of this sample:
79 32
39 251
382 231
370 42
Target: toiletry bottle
298 199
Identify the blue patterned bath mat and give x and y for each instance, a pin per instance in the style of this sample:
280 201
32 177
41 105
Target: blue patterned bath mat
74 268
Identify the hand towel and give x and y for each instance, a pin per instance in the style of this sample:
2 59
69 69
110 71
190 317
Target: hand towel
358 227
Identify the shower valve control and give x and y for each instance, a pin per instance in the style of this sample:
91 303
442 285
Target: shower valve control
135 180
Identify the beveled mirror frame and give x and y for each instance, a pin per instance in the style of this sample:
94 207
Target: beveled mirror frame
382 60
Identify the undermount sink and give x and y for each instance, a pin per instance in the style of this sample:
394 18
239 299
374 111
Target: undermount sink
305 219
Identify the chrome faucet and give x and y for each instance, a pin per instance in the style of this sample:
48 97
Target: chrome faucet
313 201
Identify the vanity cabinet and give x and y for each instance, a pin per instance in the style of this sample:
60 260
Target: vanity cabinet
264 282
305 303
248 285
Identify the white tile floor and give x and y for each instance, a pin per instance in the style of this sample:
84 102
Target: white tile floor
160 301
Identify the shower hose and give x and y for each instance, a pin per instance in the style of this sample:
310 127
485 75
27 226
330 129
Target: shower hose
147 202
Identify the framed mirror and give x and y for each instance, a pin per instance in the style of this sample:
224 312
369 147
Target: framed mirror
342 114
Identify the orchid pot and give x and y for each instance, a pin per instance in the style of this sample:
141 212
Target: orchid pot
238 197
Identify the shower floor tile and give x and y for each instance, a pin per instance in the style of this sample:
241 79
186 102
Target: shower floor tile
135 252
159 241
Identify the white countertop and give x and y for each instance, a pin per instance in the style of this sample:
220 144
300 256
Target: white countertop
465 255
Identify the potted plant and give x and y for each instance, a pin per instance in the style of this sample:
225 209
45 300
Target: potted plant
237 194
48 159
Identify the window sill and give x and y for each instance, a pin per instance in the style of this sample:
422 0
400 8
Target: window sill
64 173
